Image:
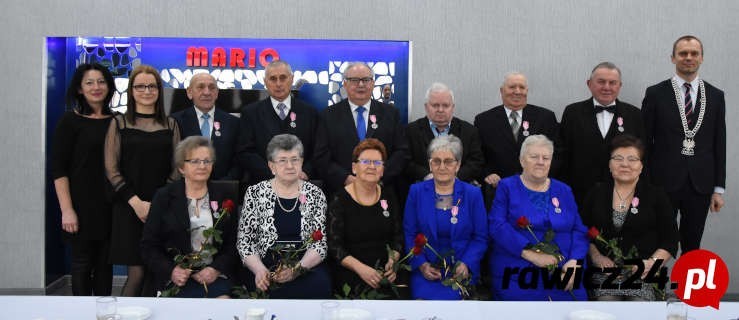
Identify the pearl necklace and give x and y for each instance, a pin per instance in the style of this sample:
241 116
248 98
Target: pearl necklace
279 202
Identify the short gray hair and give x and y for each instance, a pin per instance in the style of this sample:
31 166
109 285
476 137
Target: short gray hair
438 87
188 145
283 142
446 143
511 74
278 63
355 64
606 65
536 140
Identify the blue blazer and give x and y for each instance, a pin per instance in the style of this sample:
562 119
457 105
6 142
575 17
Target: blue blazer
511 202
226 166
469 234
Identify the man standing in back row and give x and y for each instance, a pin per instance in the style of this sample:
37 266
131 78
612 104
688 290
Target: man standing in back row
504 128
685 126
588 127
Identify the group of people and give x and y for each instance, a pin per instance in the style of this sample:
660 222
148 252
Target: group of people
349 202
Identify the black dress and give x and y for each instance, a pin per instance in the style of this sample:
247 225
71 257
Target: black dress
138 160
364 233
78 155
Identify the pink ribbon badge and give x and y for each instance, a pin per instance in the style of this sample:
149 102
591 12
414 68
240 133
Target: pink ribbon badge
383 204
217 125
555 202
635 202
214 205
620 121
303 200
373 118
455 211
293 116
525 125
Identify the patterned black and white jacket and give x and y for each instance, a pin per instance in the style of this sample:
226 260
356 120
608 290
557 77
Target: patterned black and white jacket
257 232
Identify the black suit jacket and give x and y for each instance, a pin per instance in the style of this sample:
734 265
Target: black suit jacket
668 167
419 136
337 137
167 232
501 150
226 166
652 227
585 152
259 123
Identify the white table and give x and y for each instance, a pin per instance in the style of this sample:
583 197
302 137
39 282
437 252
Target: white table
76 308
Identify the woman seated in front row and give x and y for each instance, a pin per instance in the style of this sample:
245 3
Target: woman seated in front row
279 217
533 200
180 212
637 213
451 215
364 220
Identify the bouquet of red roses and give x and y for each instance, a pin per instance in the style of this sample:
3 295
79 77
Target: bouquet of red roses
198 259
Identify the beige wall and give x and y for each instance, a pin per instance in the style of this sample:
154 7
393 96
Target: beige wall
467 44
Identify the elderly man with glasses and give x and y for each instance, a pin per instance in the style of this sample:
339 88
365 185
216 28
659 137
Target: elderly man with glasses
345 124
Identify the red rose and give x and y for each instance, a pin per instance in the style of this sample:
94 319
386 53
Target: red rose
317 235
593 233
417 250
420 240
228 206
522 222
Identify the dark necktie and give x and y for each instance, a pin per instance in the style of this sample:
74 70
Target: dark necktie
599 109
361 126
688 104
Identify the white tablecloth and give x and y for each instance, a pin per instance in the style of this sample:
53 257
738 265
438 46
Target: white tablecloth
76 308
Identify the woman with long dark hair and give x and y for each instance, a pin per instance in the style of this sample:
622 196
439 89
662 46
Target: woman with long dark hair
138 160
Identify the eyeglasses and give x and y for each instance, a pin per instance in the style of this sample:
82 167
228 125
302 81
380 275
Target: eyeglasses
436 162
630 159
196 162
366 162
143 87
284 161
356 81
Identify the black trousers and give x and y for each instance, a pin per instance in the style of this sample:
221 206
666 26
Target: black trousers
90 270
693 209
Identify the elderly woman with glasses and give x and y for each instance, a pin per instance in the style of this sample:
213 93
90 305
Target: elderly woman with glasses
530 209
282 217
636 213
180 214
451 215
364 228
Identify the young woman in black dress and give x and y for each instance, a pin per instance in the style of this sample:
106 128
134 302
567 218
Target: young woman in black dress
138 160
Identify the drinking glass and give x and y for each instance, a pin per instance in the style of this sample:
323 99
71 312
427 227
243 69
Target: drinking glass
330 310
676 310
106 308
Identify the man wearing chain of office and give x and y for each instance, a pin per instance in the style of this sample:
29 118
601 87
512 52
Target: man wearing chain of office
685 129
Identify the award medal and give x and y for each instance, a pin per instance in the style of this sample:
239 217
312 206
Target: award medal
292 120
620 122
385 212
525 126
634 205
217 126
555 202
